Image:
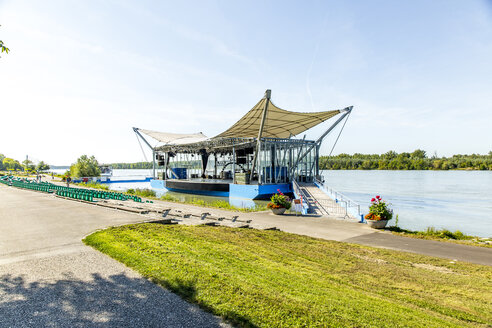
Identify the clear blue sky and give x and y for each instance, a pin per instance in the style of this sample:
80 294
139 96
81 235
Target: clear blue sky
80 74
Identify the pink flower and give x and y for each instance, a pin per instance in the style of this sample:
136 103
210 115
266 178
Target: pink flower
373 200
378 197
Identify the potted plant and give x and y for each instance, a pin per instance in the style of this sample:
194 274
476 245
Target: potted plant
279 203
379 213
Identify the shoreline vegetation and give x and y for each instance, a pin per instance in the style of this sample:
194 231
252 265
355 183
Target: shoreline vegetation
432 233
417 160
255 278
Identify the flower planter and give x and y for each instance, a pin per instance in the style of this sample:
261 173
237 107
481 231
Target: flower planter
377 224
278 211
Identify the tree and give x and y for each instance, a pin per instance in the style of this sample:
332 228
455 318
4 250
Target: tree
419 153
42 166
2 157
3 48
85 167
28 165
390 155
11 164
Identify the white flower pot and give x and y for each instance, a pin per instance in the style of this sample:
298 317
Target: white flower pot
278 211
377 224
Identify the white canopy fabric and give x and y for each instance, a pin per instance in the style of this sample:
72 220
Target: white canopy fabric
279 123
175 138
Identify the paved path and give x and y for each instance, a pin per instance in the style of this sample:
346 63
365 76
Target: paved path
358 233
48 278
350 231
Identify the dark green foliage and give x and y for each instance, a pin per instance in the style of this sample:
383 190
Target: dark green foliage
42 166
279 201
417 160
3 48
85 167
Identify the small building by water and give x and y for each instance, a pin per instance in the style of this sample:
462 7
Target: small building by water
256 157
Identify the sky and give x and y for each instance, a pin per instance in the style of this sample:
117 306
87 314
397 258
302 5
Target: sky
81 74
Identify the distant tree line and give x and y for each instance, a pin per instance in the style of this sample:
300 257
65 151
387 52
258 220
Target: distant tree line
10 164
138 165
417 160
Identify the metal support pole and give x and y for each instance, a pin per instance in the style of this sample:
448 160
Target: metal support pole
153 151
215 165
153 163
166 159
234 164
320 139
268 94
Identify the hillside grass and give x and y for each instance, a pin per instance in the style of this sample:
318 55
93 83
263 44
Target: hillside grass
255 278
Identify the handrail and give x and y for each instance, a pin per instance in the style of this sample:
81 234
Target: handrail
350 204
300 194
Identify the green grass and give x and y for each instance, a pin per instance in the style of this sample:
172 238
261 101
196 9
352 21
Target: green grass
443 234
93 185
148 193
256 278
222 204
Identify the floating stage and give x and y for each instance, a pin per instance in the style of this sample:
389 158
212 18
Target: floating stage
253 159
221 188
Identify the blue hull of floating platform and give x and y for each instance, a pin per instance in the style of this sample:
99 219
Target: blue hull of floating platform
108 180
235 190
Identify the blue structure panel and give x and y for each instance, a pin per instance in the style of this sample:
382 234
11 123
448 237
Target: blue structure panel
157 184
257 191
180 172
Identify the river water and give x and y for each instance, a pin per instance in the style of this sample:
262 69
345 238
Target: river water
454 200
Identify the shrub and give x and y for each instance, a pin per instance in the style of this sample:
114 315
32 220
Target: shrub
379 210
279 200
145 192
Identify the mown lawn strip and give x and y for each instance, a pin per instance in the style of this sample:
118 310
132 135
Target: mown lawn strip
276 279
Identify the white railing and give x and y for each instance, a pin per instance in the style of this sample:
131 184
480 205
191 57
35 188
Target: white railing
298 193
352 208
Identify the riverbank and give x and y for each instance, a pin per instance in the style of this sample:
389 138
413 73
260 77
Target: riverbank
456 237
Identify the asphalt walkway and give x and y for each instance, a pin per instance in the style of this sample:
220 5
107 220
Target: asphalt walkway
48 278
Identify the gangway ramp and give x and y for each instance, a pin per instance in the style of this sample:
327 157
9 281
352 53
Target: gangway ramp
319 202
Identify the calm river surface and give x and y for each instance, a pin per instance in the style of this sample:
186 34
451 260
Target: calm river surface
454 200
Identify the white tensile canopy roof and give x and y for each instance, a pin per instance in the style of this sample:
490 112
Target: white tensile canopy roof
175 138
279 123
